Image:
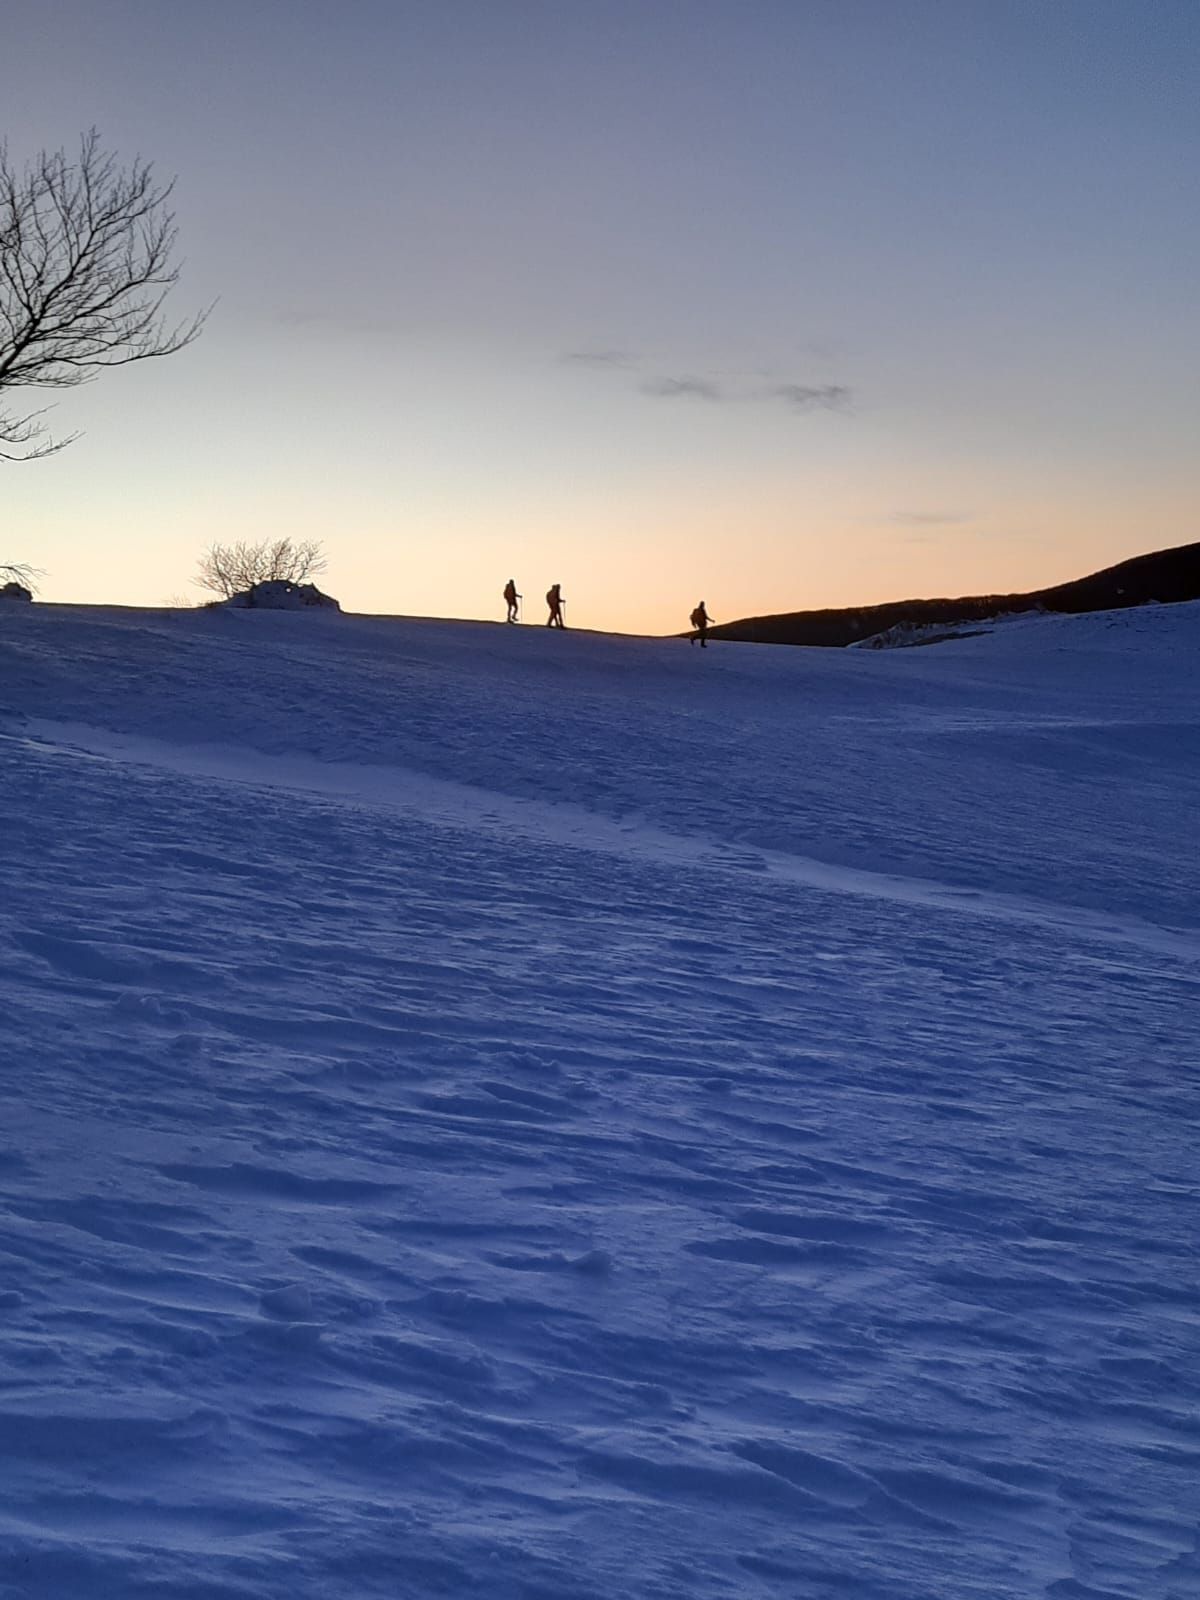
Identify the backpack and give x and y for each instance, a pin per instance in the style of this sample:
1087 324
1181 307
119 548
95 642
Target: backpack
698 618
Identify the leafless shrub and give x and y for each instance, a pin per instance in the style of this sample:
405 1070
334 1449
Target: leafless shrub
21 572
229 569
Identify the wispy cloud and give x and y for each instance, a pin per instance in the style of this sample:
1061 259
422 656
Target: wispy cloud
322 320
598 358
813 396
929 519
714 390
683 389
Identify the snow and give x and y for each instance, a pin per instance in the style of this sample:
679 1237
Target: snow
498 1112
905 635
278 594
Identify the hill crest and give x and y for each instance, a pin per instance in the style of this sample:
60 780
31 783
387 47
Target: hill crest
1165 576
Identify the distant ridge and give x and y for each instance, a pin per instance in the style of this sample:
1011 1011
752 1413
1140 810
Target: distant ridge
1166 576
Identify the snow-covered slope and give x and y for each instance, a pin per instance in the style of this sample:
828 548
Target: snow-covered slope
490 1112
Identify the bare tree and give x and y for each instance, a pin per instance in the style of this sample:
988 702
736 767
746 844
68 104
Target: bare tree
85 265
21 572
229 569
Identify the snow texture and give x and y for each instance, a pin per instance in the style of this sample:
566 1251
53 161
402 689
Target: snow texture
492 1112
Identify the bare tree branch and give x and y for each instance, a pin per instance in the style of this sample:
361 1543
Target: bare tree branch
85 267
229 569
21 572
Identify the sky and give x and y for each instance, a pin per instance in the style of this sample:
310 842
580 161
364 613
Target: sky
774 303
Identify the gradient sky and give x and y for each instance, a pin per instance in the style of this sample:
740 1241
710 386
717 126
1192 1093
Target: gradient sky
782 303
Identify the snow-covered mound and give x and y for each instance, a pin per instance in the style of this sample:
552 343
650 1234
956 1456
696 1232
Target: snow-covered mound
504 1113
906 635
278 594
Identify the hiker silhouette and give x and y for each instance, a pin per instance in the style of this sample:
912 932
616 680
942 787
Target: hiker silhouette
700 620
511 599
555 601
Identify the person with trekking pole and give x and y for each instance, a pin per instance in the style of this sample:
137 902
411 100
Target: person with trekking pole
556 603
512 601
700 620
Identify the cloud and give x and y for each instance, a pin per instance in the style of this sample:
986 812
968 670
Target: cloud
715 390
321 320
597 358
813 396
929 519
796 396
683 389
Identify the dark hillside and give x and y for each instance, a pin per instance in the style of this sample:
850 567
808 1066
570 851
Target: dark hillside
1164 575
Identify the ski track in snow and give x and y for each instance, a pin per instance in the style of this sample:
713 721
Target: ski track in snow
490 1114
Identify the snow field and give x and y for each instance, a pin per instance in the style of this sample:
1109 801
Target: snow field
492 1113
